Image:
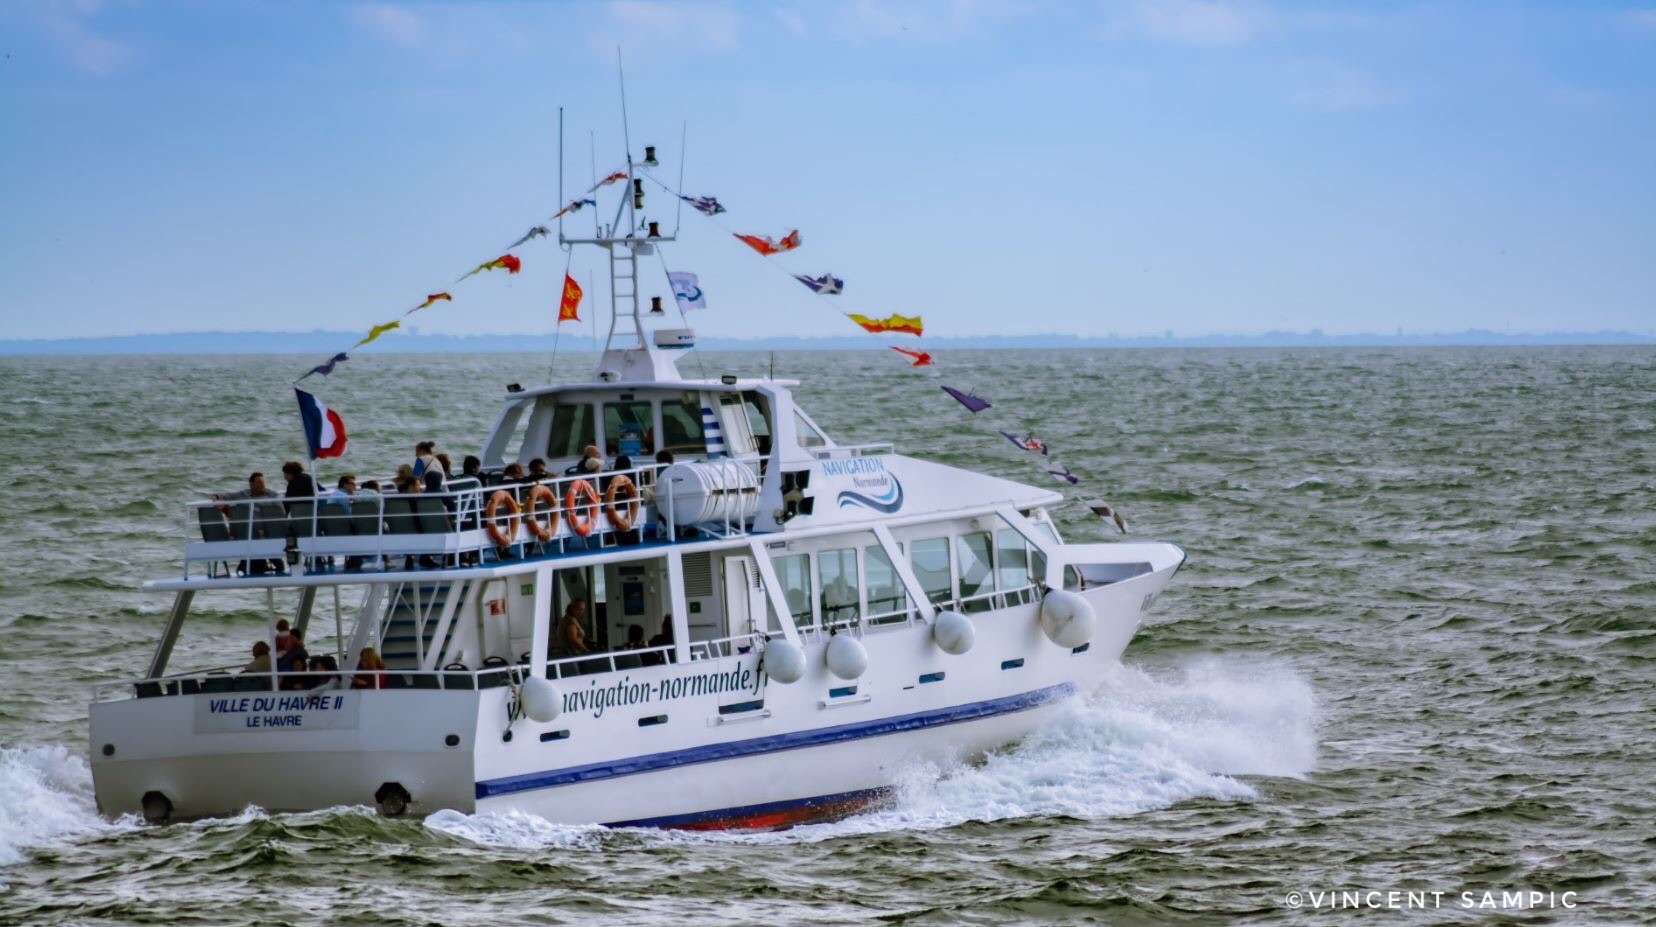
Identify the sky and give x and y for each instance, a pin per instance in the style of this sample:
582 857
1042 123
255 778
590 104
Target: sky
997 166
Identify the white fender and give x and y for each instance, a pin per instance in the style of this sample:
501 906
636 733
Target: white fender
953 632
847 657
1067 618
540 698
784 661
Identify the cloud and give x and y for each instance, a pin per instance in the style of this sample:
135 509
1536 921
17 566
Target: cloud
1332 86
1644 20
99 55
1210 23
909 19
398 25
692 26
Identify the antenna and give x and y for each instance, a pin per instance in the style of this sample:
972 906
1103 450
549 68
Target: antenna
626 139
684 133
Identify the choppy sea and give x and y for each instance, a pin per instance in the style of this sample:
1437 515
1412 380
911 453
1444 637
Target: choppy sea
1413 650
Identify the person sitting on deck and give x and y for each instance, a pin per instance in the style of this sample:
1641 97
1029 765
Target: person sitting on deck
473 468
342 491
371 670
512 474
261 659
284 638
295 661
664 639
325 669
591 462
252 520
537 470
572 640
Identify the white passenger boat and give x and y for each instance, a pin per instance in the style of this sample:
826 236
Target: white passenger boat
824 616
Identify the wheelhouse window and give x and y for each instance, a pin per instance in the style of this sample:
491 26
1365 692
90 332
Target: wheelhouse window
977 573
807 433
930 559
886 604
837 576
1012 563
794 575
572 430
681 427
758 418
629 428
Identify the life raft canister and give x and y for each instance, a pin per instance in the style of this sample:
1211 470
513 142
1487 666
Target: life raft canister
617 486
580 496
492 526
541 494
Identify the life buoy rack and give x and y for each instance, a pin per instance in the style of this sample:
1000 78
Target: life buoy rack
617 486
580 496
490 523
541 494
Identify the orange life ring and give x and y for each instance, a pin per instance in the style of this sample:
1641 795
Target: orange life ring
490 525
541 493
581 525
618 485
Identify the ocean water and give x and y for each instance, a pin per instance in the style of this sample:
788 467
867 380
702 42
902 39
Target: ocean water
1413 649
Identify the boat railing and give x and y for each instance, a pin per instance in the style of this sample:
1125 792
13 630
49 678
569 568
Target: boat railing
231 680
467 523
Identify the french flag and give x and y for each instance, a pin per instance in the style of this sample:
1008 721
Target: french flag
324 429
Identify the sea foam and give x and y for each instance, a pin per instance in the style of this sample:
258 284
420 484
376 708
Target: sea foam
45 799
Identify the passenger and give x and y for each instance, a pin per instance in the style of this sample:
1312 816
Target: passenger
261 659
425 458
590 462
664 457
342 491
372 486
253 520
448 468
635 637
295 662
284 638
404 472
434 481
537 470
371 670
324 670
512 474
472 467
572 640
663 639
299 483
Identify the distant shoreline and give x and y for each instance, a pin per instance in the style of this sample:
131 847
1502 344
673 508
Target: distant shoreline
321 342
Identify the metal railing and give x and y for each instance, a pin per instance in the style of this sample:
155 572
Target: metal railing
368 529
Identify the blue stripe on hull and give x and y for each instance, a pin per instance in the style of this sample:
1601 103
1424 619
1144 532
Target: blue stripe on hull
651 762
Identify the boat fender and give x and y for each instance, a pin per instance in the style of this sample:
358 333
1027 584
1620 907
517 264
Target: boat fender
953 632
784 661
540 698
847 657
1067 618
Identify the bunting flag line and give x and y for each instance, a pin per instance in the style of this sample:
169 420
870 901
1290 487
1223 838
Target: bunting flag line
825 285
764 245
324 429
574 206
539 231
570 302
430 298
1062 472
506 261
706 205
971 402
687 290
327 368
612 178
921 358
903 324
1026 443
377 331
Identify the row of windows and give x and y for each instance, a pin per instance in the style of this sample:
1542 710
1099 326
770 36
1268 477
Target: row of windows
982 564
641 427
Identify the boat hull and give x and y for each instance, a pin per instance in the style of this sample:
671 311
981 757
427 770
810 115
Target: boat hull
705 744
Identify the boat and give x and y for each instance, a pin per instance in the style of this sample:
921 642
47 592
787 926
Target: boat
756 626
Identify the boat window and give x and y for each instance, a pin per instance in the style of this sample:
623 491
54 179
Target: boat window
930 559
794 574
837 577
758 416
977 575
572 431
807 433
507 443
681 427
1013 556
885 590
628 429
738 436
